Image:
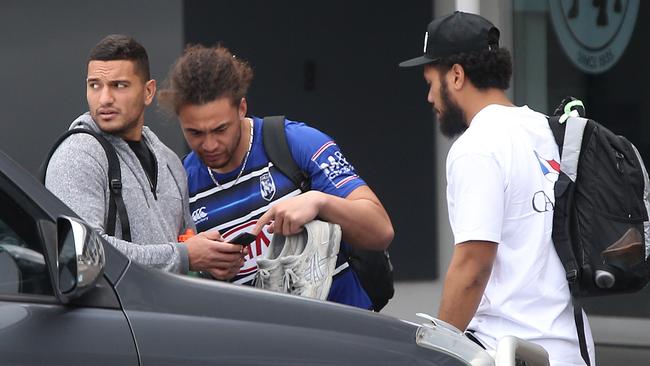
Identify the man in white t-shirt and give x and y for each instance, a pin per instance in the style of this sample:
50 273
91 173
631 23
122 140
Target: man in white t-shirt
505 277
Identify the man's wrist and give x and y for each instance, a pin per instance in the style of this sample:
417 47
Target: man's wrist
320 199
184 264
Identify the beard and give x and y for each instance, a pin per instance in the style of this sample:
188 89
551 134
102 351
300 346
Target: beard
120 126
452 120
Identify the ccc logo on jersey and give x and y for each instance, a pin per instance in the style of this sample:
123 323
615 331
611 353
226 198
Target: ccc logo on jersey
199 215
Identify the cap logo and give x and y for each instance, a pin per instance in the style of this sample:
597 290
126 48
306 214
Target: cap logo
426 39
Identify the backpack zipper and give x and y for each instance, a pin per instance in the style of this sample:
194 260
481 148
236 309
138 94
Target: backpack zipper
620 159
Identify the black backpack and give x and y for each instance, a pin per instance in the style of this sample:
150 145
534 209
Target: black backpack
600 220
374 268
601 208
116 203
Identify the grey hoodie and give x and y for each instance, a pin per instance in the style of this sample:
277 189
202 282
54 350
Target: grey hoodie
77 174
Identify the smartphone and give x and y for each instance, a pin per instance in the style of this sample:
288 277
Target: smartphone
243 239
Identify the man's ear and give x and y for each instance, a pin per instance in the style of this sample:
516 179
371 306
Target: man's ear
456 77
149 91
243 108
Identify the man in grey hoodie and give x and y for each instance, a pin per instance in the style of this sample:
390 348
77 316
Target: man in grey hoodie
154 186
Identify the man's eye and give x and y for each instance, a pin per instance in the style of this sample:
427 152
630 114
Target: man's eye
93 85
122 85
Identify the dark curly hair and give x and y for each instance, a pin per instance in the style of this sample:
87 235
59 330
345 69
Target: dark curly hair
485 69
203 74
120 47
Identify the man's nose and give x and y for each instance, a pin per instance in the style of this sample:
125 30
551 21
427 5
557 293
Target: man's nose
210 143
106 96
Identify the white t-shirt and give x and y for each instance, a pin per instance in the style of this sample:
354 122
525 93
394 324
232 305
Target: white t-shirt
500 176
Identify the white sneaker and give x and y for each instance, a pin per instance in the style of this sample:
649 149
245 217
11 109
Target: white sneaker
309 272
269 274
270 270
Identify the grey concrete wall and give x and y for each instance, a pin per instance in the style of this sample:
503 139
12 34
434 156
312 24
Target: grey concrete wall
43 64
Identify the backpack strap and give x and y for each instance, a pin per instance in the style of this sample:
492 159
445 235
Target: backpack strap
115 201
568 130
570 108
277 149
580 328
558 130
568 134
563 200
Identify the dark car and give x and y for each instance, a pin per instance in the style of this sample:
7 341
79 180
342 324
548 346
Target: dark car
69 298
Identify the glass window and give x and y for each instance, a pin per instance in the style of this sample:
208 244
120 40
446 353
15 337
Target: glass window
22 266
595 51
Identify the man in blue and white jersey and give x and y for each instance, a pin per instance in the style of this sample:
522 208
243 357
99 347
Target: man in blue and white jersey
234 188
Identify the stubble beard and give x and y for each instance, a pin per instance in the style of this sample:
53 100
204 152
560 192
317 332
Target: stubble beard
116 129
232 154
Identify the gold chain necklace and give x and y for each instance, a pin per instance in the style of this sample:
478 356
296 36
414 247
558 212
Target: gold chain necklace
243 166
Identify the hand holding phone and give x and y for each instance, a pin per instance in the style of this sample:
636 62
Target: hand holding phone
243 239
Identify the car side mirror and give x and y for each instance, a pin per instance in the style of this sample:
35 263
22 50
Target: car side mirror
80 258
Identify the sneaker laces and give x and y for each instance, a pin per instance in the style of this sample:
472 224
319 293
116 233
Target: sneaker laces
261 280
292 283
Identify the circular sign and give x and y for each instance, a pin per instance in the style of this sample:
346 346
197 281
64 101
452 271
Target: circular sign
594 34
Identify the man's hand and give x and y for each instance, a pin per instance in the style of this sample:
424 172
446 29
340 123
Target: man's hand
291 215
363 220
207 252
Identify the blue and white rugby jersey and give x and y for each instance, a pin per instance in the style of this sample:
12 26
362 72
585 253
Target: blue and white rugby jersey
235 208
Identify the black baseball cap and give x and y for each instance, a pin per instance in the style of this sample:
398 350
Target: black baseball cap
453 34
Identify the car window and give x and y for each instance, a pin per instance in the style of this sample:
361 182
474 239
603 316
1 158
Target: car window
22 265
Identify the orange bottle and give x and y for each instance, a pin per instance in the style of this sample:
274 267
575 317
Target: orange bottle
188 234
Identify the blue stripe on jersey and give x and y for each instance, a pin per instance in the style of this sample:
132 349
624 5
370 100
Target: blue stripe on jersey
220 207
237 207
